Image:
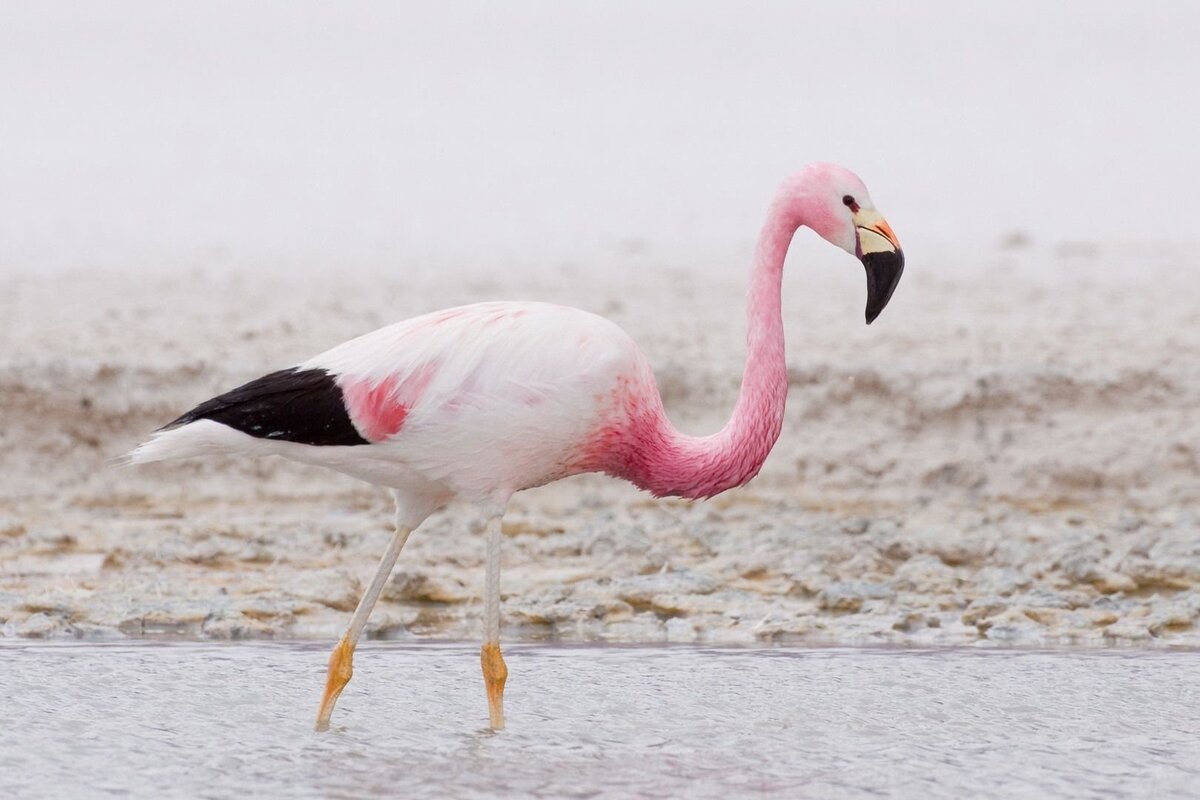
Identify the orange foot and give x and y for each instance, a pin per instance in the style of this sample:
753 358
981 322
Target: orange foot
495 673
341 667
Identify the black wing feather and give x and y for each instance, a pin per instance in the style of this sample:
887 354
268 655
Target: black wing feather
291 405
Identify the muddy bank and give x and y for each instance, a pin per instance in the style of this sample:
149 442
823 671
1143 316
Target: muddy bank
1010 456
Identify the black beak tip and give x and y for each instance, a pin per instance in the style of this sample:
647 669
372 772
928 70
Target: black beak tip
883 275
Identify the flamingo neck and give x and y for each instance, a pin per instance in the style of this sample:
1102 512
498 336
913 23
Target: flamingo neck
667 462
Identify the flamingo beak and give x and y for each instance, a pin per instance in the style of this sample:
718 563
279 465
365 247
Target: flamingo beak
880 253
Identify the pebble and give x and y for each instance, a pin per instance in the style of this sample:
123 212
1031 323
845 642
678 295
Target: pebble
982 608
1000 580
1111 582
851 595
1084 569
914 620
1132 630
1173 616
333 587
1176 573
421 587
777 625
41 626
680 630
925 573
642 589
1041 597
1012 626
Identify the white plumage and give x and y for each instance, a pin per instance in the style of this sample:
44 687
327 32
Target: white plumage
507 393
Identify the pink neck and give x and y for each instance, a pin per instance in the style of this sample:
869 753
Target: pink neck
667 462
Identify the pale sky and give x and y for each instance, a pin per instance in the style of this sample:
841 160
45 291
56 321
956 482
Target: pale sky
149 135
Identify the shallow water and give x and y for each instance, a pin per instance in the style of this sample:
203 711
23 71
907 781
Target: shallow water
225 720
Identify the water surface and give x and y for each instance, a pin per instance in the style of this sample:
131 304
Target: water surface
234 720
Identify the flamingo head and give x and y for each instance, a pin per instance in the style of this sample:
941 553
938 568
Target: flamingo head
835 203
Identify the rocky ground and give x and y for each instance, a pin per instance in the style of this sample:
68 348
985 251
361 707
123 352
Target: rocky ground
1009 455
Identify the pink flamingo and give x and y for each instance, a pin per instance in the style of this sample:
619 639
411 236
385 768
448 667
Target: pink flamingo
481 401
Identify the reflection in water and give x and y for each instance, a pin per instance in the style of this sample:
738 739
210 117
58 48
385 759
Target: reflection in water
224 720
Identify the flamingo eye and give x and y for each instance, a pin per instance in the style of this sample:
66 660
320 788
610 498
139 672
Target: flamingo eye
850 203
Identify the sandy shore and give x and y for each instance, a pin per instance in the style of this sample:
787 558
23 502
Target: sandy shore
1010 455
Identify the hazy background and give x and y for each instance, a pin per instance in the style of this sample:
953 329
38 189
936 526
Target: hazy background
156 135
193 195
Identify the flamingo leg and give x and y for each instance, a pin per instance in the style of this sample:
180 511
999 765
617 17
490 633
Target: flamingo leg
495 672
341 661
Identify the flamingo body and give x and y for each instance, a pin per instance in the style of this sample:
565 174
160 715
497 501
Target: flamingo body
477 402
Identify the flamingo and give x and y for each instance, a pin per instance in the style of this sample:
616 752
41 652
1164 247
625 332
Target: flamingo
481 401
